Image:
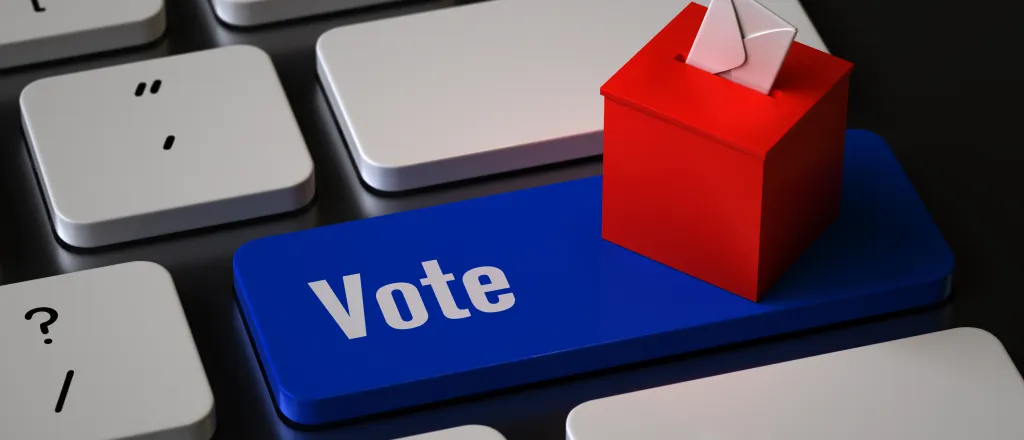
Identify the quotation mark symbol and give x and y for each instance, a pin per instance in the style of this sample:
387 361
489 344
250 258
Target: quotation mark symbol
153 89
141 88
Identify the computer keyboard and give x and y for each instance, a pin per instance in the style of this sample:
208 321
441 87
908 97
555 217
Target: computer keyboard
196 242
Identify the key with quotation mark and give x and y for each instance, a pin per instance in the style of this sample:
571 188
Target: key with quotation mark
122 362
249 162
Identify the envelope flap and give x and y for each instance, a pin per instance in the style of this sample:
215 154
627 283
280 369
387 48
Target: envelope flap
719 43
755 19
658 82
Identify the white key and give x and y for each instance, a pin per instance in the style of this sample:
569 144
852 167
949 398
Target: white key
33 31
485 88
120 361
951 385
256 12
468 432
214 142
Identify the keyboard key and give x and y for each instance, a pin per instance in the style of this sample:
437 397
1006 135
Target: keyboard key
33 31
485 88
410 308
100 354
257 12
469 432
951 385
166 145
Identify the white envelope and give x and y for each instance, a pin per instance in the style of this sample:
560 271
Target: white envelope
742 41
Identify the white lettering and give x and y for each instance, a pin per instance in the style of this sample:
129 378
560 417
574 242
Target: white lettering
478 292
386 300
351 321
351 317
438 281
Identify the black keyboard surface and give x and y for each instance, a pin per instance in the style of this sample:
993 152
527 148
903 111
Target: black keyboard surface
931 77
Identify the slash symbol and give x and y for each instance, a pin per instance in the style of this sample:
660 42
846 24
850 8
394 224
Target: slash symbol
64 390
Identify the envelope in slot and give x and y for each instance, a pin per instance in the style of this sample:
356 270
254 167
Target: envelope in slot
742 41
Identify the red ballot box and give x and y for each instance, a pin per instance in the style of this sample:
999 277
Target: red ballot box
714 179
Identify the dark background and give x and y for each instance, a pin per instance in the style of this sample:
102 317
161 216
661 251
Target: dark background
938 79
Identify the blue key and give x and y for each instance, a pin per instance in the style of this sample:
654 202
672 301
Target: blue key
405 309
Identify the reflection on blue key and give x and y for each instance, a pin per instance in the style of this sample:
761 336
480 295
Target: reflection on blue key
395 311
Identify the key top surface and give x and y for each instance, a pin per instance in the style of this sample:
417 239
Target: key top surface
257 12
486 88
33 31
120 362
950 385
469 432
410 308
166 145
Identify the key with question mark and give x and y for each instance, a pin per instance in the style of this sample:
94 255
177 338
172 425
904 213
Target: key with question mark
45 326
126 365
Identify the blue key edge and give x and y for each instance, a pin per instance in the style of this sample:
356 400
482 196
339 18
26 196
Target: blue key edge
862 147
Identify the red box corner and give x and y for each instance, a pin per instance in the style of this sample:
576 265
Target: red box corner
712 178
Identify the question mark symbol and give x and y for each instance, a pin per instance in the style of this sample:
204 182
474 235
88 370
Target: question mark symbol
45 325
